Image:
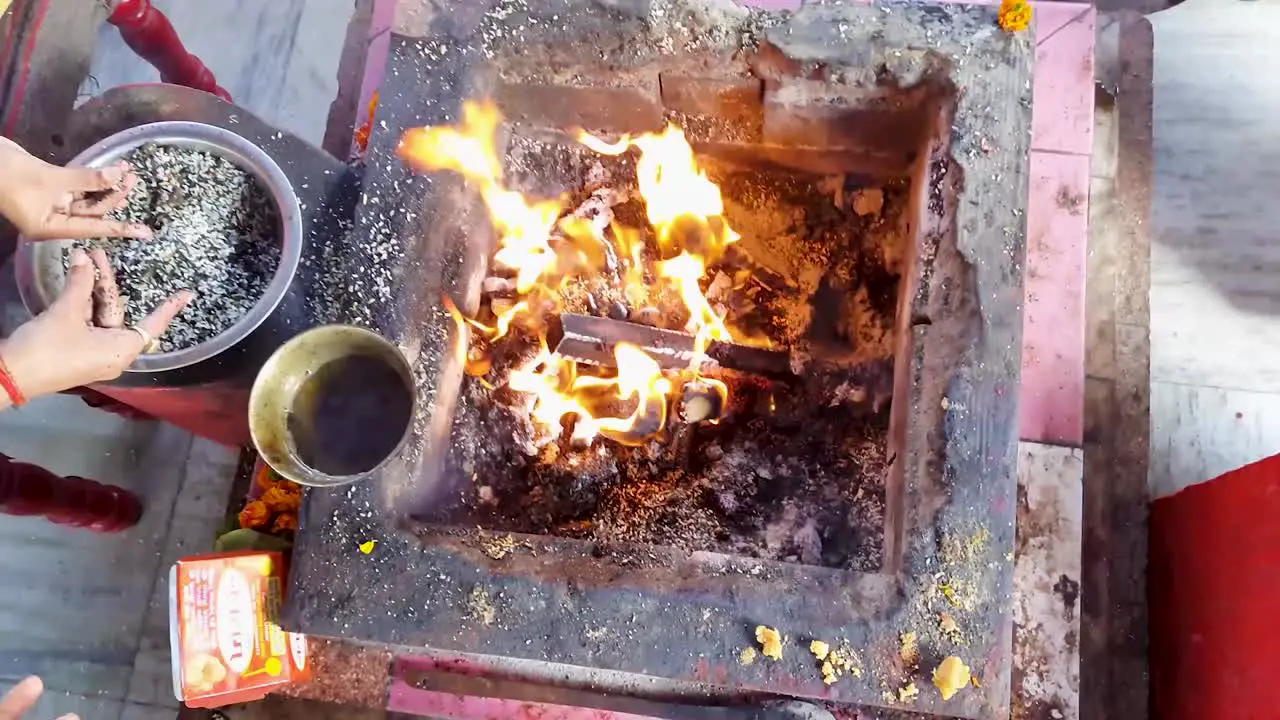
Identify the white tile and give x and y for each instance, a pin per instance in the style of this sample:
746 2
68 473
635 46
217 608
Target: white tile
279 60
311 79
208 475
152 680
54 704
136 711
1046 577
1199 433
75 601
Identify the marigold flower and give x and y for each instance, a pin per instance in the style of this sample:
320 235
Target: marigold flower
255 515
285 523
1015 15
282 499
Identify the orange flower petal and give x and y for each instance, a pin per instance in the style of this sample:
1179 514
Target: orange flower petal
255 515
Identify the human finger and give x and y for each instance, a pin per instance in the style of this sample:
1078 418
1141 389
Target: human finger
97 204
158 321
126 344
75 226
21 698
77 293
108 306
95 179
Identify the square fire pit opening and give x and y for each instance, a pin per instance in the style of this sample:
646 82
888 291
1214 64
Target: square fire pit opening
833 183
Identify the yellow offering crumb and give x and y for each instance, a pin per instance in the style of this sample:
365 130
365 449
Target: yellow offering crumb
367 547
951 676
819 649
828 673
770 642
747 656
949 628
908 693
908 650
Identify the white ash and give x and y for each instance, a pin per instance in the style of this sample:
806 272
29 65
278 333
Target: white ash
216 233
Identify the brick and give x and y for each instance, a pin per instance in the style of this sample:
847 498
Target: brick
813 114
728 98
715 109
615 110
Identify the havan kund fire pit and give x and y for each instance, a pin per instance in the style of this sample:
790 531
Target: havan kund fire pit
715 318
641 376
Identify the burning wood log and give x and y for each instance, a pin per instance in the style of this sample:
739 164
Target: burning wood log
592 340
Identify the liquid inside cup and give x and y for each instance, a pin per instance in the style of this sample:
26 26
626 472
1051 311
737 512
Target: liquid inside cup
349 415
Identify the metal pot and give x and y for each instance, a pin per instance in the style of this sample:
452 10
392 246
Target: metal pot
39 267
287 406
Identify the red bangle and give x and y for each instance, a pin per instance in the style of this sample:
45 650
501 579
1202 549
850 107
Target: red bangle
10 387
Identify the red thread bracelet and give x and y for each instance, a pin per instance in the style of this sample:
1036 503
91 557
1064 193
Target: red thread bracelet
10 386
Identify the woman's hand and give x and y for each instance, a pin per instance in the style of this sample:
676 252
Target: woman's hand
63 348
22 698
49 202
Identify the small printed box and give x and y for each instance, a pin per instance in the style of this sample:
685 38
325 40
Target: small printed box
227 644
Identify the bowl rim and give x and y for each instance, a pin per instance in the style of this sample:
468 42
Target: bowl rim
225 143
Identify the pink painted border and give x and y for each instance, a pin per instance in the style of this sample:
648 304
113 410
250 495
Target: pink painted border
405 698
1052 388
375 64
1052 397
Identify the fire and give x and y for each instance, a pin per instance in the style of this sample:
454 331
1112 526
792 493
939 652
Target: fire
687 213
541 248
682 204
558 393
524 228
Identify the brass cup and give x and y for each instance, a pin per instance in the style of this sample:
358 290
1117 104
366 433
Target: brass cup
332 406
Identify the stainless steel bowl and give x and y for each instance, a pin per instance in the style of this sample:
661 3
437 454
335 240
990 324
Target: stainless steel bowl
39 268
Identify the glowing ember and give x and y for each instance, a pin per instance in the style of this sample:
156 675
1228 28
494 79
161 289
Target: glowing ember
542 248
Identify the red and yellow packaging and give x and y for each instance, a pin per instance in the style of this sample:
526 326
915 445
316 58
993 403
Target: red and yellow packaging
228 646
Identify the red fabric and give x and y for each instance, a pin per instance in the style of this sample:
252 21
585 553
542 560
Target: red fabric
217 412
1214 597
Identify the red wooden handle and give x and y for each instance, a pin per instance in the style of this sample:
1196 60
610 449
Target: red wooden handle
150 34
31 490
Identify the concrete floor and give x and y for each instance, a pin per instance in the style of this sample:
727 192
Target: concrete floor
1215 259
89 612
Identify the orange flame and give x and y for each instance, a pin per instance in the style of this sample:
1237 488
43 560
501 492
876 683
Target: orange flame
687 212
559 393
541 250
524 227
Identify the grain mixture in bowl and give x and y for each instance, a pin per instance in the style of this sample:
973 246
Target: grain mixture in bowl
216 233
